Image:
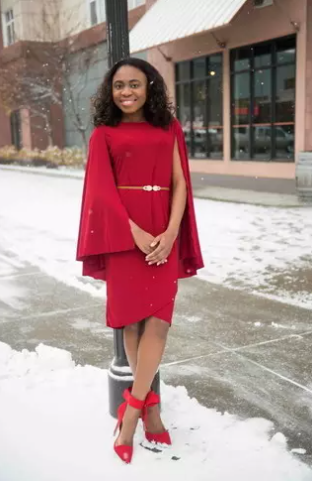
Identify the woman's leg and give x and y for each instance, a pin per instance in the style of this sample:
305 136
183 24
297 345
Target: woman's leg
149 354
131 337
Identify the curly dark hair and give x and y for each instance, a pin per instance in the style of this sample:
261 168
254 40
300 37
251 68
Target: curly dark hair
158 110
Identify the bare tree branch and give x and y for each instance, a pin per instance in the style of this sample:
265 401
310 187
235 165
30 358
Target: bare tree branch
52 72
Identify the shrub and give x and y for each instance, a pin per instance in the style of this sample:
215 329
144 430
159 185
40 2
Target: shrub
51 157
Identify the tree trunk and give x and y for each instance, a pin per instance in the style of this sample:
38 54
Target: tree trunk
49 131
50 138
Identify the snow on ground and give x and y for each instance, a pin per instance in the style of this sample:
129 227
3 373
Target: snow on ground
55 426
256 248
260 249
39 217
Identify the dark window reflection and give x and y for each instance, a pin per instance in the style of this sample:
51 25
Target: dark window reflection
262 96
241 99
263 100
199 67
263 55
286 50
262 142
241 142
284 139
200 119
241 59
215 102
184 110
285 93
216 143
200 104
183 71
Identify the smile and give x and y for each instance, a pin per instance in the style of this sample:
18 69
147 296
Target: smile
128 103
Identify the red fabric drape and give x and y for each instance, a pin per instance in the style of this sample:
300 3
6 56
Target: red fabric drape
104 223
189 247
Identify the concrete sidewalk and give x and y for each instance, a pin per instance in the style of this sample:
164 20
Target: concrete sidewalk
225 346
268 192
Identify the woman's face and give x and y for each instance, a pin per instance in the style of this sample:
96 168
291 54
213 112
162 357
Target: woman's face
129 89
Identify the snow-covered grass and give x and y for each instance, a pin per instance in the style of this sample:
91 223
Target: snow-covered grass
55 426
259 249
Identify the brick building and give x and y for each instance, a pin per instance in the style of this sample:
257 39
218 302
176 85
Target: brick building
239 71
241 74
35 35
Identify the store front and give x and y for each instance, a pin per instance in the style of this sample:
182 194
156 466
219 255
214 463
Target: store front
240 91
199 105
262 102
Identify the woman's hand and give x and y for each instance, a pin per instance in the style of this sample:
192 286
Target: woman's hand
162 246
142 239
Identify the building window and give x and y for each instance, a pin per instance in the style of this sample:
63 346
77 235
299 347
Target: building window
15 121
8 27
263 100
93 13
96 11
199 105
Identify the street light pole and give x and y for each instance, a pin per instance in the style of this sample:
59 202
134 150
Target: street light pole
119 374
117 30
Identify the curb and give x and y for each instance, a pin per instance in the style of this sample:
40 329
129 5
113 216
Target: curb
219 194
78 174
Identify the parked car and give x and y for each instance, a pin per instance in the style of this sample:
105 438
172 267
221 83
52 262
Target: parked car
284 141
200 141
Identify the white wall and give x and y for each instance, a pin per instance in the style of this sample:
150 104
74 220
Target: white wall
75 17
41 20
18 24
76 14
34 19
51 20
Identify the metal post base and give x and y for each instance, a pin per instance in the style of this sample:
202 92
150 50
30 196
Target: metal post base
119 379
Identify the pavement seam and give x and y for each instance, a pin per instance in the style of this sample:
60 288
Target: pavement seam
275 373
55 313
182 361
261 366
262 343
233 350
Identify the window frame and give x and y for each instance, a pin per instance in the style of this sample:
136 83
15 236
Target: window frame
8 26
251 70
100 12
191 81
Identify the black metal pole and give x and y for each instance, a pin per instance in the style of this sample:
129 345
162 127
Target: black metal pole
117 30
119 374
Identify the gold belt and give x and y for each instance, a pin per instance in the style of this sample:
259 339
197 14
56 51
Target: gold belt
148 188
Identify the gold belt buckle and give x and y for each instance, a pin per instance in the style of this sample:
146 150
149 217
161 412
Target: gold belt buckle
149 188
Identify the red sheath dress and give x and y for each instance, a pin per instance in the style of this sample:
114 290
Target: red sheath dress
137 155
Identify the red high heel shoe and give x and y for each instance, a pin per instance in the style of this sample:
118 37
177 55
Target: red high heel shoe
160 438
123 451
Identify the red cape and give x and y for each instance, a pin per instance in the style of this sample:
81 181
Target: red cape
104 223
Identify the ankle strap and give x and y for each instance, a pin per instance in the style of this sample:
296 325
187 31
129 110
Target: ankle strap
132 401
152 399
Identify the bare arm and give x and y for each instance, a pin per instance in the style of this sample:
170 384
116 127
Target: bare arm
166 240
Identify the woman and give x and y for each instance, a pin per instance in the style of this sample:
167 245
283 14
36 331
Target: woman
137 228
